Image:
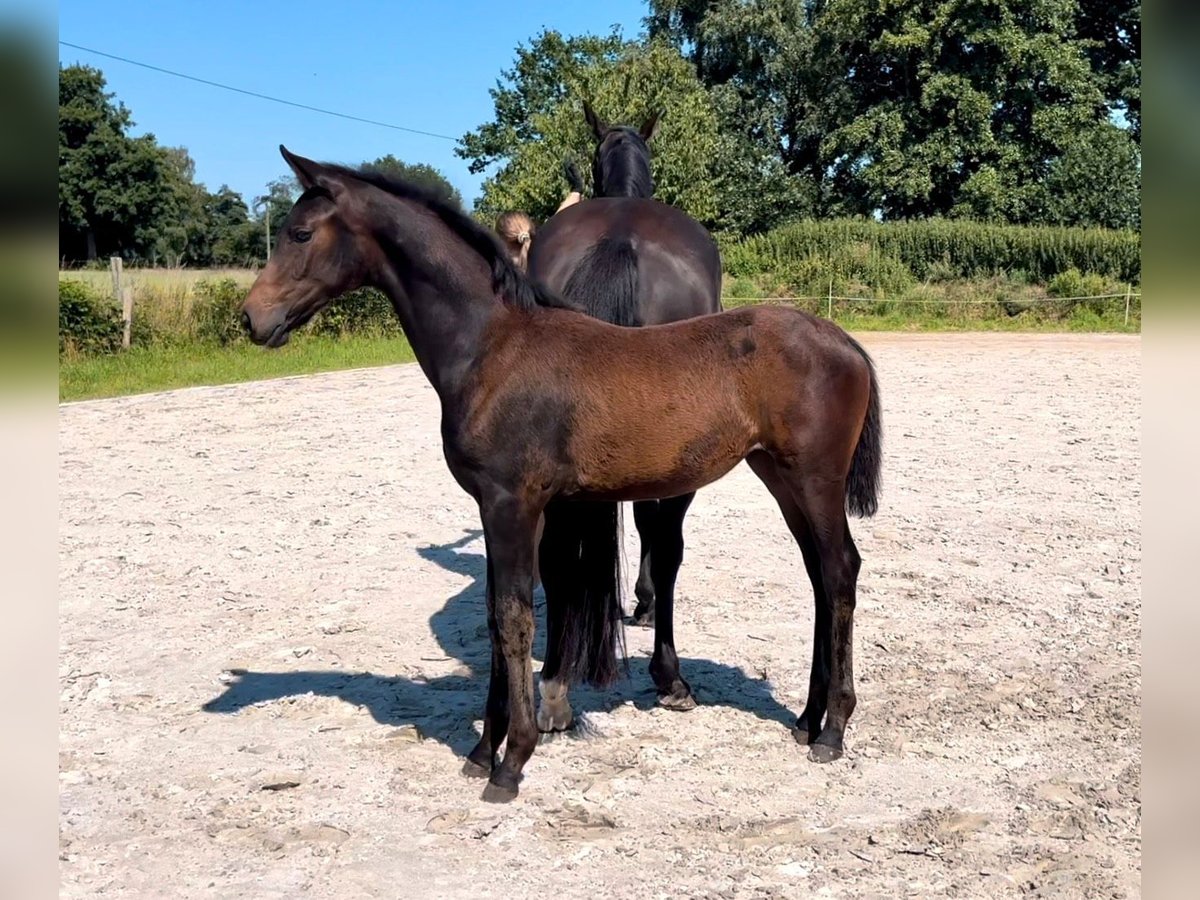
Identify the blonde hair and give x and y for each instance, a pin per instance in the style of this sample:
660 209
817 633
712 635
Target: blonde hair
516 230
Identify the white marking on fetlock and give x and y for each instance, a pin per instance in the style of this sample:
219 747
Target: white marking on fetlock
554 712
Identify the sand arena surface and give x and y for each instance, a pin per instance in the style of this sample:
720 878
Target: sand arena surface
274 653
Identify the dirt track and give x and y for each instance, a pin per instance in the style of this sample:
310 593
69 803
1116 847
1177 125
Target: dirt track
274 652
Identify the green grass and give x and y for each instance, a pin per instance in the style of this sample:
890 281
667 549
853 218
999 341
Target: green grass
163 367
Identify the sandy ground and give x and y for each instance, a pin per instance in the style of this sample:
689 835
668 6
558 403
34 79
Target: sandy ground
273 655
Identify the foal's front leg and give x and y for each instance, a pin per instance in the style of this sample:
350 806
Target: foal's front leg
510 526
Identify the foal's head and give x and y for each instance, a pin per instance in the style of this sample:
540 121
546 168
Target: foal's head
621 164
357 227
322 251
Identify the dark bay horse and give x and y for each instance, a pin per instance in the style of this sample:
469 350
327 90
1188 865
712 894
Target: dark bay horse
539 402
628 259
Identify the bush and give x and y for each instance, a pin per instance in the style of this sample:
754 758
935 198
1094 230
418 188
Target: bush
940 249
365 310
1073 286
217 311
87 323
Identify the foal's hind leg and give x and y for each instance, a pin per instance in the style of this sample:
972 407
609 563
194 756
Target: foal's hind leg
666 556
509 526
485 755
808 726
823 501
645 517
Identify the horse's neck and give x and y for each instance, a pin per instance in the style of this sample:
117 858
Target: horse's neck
629 178
445 309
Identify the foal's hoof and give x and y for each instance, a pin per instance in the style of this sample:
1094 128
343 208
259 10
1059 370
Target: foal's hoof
824 753
473 769
679 698
499 793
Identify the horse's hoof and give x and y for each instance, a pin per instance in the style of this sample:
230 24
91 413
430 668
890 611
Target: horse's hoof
552 718
643 620
473 769
498 793
679 700
824 753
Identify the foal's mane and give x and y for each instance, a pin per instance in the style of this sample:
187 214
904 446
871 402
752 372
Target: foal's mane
509 282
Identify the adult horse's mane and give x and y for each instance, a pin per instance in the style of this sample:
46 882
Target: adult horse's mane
626 164
509 282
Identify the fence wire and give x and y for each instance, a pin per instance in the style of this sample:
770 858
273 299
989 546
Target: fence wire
824 298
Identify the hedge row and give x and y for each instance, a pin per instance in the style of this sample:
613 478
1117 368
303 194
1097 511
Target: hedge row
90 323
941 248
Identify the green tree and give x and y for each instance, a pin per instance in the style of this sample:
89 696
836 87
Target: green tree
540 80
114 190
182 234
271 208
1111 32
236 240
719 176
421 174
1097 181
919 107
955 107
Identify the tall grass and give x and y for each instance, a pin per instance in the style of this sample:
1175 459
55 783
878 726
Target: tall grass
162 298
946 248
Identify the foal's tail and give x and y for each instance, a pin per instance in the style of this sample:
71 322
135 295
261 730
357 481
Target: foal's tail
605 283
593 631
862 487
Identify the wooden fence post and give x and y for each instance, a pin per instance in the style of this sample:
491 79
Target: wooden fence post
114 263
829 304
1128 290
126 315
123 295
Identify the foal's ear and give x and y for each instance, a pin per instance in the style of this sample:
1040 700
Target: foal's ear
311 174
650 126
599 126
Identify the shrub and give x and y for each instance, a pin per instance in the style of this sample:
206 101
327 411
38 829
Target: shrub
365 310
87 323
216 311
940 249
1073 285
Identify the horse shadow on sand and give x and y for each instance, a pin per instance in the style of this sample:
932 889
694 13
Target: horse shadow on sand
445 708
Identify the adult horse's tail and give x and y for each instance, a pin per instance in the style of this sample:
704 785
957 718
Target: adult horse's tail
862 487
593 635
605 283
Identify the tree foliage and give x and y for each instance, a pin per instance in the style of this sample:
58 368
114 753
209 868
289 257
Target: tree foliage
421 174
914 108
129 196
699 165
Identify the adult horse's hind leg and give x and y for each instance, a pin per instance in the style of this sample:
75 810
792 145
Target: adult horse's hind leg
808 726
666 556
645 517
558 556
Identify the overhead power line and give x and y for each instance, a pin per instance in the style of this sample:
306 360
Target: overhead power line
237 90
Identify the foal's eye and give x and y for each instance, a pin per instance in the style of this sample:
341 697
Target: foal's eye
301 235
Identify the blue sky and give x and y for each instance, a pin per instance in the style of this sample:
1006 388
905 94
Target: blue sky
424 65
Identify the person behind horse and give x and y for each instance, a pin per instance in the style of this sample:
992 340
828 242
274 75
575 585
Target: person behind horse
516 229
